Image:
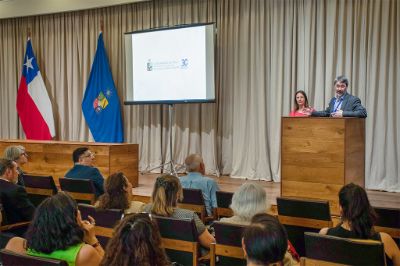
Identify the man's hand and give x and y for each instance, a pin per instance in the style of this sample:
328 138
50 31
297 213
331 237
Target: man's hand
337 114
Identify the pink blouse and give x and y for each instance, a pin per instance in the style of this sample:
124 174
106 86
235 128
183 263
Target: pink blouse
295 113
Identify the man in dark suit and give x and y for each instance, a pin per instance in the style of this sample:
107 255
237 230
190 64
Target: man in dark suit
83 169
343 104
17 207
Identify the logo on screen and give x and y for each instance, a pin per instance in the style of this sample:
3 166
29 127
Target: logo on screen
184 63
149 65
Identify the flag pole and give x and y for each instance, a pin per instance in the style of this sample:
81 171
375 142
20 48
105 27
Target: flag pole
28 31
101 23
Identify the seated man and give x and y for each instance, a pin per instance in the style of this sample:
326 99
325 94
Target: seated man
83 169
195 179
343 104
17 207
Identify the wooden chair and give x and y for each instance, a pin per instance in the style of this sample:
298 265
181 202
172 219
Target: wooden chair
10 258
39 188
82 190
330 250
302 215
105 220
389 222
193 200
224 200
179 239
228 246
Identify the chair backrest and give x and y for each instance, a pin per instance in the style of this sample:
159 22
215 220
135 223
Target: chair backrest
179 239
10 258
82 190
224 200
389 222
39 188
343 250
193 200
228 246
5 227
302 215
105 220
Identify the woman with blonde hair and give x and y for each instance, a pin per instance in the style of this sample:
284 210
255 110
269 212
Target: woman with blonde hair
167 190
20 157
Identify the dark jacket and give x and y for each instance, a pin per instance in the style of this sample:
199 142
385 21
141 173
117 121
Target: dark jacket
87 172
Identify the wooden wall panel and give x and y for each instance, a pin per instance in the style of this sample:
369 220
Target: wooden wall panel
55 157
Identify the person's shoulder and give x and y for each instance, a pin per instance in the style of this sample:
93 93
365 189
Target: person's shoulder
183 213
88 256
16 244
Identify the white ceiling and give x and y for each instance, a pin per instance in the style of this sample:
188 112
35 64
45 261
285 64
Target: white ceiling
22 8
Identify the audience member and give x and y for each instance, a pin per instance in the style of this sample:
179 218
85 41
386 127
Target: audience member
302 108
17 207
58 231
167 190
17 154
358 218
247 201
117 195
136 241
343 104
265 241
83 169
196 179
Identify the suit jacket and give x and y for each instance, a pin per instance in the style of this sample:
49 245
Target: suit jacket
87 172
351 107
17 207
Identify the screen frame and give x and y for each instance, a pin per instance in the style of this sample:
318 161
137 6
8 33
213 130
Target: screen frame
182 101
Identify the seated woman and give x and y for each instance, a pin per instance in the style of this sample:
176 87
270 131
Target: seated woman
17 154
117 194
358 219
58 231
167 190
265 241
136 241
247 201
301 105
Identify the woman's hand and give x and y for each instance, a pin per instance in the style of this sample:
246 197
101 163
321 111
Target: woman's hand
88 227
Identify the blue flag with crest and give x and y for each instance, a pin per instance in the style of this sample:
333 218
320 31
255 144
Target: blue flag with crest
100 106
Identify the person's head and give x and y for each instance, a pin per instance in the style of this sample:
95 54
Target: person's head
249 200
17 154
55 225
83 156
356 210
136 241
300 100
341 84
265 240
194 163
117 192
8 170
167 190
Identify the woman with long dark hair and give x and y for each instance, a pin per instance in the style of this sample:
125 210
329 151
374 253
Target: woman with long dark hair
302 108
117 194
357 221
57 231
136 241
167 190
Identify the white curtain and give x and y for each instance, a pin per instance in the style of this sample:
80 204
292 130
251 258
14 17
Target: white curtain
265 51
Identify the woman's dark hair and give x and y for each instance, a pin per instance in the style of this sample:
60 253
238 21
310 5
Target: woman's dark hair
305 99
167 190
54 225
115 195
265 240
136 241
357 210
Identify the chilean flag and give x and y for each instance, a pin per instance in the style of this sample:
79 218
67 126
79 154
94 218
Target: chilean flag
33 102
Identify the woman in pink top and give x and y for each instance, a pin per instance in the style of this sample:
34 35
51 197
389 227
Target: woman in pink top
301 104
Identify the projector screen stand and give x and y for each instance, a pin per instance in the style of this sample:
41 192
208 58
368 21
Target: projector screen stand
173 168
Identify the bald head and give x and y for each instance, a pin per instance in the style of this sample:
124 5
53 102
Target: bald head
194 163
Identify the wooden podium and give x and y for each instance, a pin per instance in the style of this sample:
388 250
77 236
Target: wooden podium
55 157
320 155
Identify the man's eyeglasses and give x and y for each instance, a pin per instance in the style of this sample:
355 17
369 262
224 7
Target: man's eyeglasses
89 154
25 154
340 85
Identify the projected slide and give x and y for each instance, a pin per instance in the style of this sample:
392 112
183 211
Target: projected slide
171 65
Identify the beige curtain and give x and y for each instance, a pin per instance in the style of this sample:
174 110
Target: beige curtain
265 51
